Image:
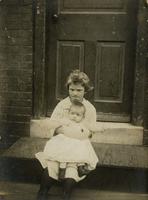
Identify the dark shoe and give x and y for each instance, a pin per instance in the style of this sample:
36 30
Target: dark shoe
66 196
62 173
69 184
42 195
83 170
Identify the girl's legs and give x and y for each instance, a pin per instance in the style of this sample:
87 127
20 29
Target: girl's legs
46 183
69 184
62 170
70 180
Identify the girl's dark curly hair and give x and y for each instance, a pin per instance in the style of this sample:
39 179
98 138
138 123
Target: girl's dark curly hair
78 77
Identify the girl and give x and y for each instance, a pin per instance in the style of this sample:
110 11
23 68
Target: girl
78 85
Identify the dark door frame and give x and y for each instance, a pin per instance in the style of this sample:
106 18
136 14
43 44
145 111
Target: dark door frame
140 96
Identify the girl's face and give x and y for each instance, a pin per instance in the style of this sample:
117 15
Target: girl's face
76 92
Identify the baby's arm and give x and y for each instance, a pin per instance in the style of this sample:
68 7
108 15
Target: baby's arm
77 132
80 133
58 130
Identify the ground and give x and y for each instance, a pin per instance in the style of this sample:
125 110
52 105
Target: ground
21 191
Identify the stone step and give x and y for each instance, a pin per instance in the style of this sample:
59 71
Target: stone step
105 132
120 166
115 155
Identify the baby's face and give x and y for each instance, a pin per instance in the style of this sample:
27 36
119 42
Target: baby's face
76 114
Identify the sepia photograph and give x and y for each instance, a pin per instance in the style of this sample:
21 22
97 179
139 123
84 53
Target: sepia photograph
73 99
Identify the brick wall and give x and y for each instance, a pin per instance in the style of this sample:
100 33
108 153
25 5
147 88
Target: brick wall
16 31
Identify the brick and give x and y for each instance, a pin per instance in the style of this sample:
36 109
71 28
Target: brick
18 50
19 21
16 110
3 65
3 40
18 102
27 58
24 65
20 37
15 102
16 95
10 117
23 74
12 2
26 2
19 86
19 9
18 64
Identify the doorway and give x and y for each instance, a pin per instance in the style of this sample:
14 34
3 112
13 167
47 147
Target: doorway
99 38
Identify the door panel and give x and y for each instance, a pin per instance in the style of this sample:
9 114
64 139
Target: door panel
92 5
70 54
109 72
97 37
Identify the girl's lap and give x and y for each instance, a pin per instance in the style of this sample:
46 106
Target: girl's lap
71 171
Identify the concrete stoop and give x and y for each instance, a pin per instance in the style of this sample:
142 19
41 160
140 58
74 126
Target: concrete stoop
106 132
120 167
110 155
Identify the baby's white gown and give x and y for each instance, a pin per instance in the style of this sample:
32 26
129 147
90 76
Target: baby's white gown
62 148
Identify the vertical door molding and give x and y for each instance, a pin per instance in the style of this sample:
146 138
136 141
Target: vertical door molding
140 100
39 25
138 97
145 138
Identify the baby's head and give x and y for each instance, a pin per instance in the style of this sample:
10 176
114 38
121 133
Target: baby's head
76 111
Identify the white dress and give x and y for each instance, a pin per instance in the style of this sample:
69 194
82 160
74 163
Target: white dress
60 112
71 147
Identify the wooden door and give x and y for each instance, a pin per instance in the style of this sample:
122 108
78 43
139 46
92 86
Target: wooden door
99 38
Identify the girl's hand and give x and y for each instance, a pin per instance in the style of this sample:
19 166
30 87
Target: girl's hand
58 130
91 134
